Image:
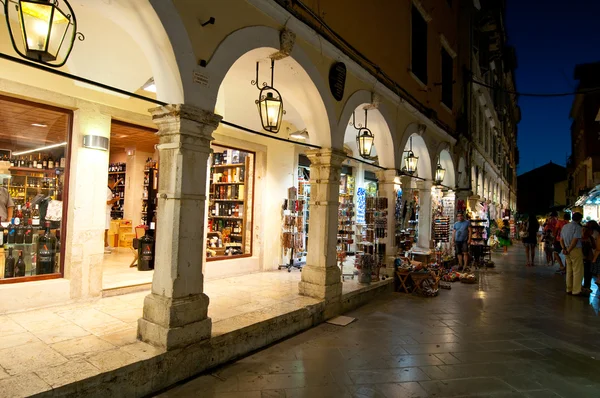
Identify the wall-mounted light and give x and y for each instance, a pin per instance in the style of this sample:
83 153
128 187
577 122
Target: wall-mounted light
42 31
440 173
95 142
300 135
269 103
149 85
364 138
410 161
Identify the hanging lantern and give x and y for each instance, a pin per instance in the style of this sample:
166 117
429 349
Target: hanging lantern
411 160
364 138
269 103
42 31
440 173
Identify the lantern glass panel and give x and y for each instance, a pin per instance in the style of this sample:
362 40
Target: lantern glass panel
60 25
440 173
270 108
365 143
411 162
35 24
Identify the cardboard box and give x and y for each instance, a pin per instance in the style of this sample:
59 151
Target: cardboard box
113 239
126 239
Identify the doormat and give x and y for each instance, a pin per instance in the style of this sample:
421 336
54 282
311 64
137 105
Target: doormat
341 320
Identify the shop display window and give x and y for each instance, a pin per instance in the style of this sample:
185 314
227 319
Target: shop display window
33 173
229 232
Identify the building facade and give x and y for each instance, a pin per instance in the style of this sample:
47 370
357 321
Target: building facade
220 186
490 113
539 191
584 162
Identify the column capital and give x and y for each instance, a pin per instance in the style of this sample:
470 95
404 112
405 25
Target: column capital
326 157
182 119
386 176
424 185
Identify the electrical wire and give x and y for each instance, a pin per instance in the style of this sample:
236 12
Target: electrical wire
542 95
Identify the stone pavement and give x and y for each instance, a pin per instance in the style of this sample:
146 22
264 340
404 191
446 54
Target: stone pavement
46 349
514 334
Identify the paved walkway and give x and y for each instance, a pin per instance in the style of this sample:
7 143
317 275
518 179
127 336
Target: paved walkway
55 346
514 334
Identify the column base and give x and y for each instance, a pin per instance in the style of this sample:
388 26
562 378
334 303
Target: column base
174 323
321 282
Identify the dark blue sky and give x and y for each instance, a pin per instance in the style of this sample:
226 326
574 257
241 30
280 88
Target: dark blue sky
551 37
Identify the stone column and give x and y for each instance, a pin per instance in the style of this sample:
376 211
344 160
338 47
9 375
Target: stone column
175 312
84 244
321 277
424 214
407 193
387 189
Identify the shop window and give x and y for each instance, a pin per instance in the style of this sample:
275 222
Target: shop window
229 232
33 172
447 80
419 45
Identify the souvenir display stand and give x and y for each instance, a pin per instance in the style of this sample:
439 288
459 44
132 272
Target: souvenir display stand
372 256
345 238
478 245
292 236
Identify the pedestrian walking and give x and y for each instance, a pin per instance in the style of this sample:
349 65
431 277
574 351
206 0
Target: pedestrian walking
462 238
529 231
571 235
595 263
587 248
557 245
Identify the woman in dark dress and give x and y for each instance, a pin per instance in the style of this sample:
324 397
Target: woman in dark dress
530 229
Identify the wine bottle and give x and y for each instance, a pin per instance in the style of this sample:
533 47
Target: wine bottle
20 266
11 232
30 162
9 265
35 215
39 163
45 163
19 232
29 232
46 251
1 233
34 164
50 162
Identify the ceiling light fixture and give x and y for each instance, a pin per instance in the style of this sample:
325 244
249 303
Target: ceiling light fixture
39 125
39 149
411 160
269 103
42 31
440 173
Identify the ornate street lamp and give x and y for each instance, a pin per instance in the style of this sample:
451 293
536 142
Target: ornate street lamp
42 31
440 173
411 160
269 103
364 137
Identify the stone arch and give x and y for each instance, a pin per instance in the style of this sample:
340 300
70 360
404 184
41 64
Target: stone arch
379 122
310 94
442 154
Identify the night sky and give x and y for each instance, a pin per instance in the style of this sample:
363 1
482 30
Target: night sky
551 37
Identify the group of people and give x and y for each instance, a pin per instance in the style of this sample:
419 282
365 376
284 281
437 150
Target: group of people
579 244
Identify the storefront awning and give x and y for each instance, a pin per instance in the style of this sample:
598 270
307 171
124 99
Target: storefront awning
591 198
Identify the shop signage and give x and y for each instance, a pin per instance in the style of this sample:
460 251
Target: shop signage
337 80
200 78
361 205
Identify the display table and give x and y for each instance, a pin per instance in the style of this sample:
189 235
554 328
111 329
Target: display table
417 281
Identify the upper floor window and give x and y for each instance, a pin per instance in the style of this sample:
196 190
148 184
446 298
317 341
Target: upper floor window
447 78
419 45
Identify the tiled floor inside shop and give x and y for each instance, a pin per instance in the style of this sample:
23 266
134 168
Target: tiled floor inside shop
116 272
55 346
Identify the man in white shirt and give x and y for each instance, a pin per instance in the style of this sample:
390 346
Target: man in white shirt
110 201
570 236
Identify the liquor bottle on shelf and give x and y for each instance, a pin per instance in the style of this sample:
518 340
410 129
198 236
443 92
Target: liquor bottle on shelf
20 266
27 211
19 212
11 232
19 232
1 233
63 162
9 264
35 215
45 162
46 252
50 162
30 162
34 163
29 232
40 164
